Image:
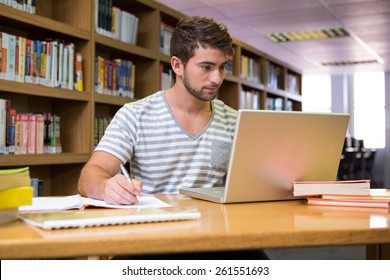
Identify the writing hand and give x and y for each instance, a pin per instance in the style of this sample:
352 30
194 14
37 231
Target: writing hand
119 190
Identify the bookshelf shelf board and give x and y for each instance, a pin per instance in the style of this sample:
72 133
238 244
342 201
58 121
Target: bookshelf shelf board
44 159
27 21
110 44
253 85
294 96
231 78
276 92
44 91
112 100
164 58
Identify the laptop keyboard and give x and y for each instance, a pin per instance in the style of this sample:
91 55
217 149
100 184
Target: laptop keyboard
216 191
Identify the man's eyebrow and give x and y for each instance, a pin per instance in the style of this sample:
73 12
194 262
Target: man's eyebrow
213 63
207 62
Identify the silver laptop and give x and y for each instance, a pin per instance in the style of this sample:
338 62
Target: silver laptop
271 149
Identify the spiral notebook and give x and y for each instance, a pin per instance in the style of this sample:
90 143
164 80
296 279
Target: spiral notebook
104 217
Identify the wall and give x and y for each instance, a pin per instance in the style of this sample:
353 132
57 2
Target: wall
342 102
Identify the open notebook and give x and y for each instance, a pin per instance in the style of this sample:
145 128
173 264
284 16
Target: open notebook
272 149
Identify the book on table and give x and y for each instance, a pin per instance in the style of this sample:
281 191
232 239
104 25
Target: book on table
313 188
378 198
16 177
59 203
92 218
15 191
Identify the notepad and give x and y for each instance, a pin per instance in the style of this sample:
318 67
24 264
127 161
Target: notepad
53 203
92 218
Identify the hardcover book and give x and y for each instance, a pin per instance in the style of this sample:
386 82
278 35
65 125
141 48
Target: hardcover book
312 188
17 177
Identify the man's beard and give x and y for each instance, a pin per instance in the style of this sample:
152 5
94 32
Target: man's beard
198 94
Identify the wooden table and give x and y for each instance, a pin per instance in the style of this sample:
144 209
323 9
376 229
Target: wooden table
222 227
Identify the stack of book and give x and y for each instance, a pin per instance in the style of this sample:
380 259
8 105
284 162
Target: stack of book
378 198
15 191
353 193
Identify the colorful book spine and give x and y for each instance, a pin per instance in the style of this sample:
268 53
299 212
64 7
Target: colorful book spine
31 133
22 59
79 71
3 125
71 66
40 134
11 49
28 77
11 131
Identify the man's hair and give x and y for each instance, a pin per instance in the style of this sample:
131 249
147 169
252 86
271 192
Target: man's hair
190 32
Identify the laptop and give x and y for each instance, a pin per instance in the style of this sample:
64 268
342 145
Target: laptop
272 149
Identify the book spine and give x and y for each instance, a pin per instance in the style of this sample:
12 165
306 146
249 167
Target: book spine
4 47
23 134
32 126
40 134
53 64
3 125
48 133
16 62
43 67
11 131
17 133
79 71
22 59
65 67
1 55
37 61
60 67
29 61
71 66
100 75
11 49
55 141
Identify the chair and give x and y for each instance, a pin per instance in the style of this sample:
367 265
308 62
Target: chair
347 167
369 159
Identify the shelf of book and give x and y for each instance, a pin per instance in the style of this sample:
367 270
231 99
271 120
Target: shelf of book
44 159
13 88
94 34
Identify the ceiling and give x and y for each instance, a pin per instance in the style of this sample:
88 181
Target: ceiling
367 21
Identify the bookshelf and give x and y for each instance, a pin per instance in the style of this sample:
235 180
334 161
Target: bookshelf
75 21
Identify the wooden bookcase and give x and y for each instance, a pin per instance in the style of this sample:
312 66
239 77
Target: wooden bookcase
74 21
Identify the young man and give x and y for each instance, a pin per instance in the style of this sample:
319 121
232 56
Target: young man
174 138
178 137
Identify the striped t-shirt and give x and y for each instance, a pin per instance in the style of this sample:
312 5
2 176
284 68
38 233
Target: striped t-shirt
161 153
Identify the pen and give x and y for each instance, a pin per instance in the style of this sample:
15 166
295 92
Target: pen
127 175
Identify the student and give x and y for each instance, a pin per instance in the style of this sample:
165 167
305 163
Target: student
174 138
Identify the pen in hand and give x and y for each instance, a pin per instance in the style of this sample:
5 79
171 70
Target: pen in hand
128 177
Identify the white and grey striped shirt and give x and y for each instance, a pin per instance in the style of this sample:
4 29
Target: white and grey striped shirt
161 153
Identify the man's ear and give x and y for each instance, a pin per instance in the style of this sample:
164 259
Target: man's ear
177 65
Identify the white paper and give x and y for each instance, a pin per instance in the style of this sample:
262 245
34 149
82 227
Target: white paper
145 201
52 203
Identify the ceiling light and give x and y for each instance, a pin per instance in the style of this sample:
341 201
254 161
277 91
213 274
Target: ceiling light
282 37
347 63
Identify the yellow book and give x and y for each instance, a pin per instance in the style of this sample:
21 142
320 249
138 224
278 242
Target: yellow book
15 197
16 177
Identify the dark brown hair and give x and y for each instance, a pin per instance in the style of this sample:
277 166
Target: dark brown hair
190 32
